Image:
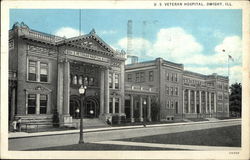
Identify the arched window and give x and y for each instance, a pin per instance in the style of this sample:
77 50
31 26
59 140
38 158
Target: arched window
85 81
80 80
75 79
91 81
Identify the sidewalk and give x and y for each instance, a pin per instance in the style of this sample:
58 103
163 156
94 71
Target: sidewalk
14 135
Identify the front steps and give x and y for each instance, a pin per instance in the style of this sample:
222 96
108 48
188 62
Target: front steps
91 123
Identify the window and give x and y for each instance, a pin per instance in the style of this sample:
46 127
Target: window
176 78
167 90
111 105
116 81
80 80
151 75
116 105
137 78
176 91
75 79
220 97
167 104
172 77
225 96
172 91
91 81
32 71
142 77
110 80
225 87
85 81
172 104
32 104
43 104
43 72
129 77
167 75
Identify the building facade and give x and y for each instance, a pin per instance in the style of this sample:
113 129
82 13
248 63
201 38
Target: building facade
46 71
180 93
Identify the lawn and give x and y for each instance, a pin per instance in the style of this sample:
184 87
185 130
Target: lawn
224 136
92 146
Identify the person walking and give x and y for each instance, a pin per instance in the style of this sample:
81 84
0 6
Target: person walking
19 124
14 124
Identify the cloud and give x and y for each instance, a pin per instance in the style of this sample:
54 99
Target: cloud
67 32
140 46
175 44
233 46
108 32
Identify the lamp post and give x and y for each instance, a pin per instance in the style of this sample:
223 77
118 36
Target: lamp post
144 112
82 91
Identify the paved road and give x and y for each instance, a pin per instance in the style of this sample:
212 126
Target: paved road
68 139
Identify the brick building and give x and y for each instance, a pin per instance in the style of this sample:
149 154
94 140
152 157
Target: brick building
46 71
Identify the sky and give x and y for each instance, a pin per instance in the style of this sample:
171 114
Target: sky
199 39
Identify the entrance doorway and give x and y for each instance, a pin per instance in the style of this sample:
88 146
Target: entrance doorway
75 107
90 107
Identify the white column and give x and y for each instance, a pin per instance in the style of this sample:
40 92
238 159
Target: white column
121 85
66 88
113 105
149 108
189 109
106 90
37 103
200 101
210 105
49 104
195 108
141 109
206 100
215 109
132 108
102 92
60 88
183 103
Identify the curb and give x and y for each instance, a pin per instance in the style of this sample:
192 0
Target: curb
52 133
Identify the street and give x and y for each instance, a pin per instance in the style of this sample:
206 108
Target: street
69 139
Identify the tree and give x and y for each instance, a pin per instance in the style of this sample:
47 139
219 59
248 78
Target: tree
235 99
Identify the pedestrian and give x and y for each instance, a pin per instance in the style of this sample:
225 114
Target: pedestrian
14 124
19 124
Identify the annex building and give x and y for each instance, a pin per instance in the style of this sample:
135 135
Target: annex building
46 71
